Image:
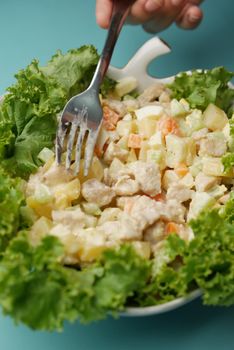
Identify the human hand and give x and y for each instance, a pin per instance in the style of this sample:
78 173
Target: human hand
155 15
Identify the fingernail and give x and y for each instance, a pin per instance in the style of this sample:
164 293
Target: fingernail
153 5
177 2
193 18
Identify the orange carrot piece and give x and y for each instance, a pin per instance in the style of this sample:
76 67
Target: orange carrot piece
167 126
171 227
134 141
181 170
110 118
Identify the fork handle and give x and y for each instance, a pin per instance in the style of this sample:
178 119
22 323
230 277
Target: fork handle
119 14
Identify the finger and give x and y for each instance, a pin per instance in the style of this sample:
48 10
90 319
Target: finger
103 12
190 18
164 16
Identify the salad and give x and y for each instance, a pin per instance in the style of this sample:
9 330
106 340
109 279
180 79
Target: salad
153 220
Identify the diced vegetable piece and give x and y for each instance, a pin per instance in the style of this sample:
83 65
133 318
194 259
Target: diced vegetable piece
126 85
196 167
185 104
151 111
46 155
65 193
195 121
142 248
40 229
40 209
204 182
127 117
179 150
177 108
168 125
43 194
143 151
91 208
125 127
187 180
115 168
158 156
217 191
181 170
123 142
213 166
110 118
169 178
134 141
156 140
214 145
103 138
91 245
146 127
171 227
201 201
132 156
214 117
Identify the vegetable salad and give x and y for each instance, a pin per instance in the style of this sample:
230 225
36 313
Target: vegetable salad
153 220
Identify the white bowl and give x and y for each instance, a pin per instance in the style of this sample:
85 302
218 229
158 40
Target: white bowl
137 67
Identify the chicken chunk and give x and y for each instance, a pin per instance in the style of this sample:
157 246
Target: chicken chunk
126 186
179 192
148 176
214 145
115 151
95 191
151 94
125 229
174 211
145 210
155 233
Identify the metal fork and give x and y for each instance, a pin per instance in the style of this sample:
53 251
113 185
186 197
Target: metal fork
82 116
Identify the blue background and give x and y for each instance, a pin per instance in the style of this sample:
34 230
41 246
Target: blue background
36 29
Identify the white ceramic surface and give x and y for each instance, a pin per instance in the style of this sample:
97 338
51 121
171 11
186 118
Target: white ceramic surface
137 67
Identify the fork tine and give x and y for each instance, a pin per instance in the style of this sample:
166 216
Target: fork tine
79 143
89 149
60 137
70 143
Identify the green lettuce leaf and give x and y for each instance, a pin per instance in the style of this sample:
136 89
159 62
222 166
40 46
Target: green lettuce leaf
210 259
37 290
28 113
204 87
11 198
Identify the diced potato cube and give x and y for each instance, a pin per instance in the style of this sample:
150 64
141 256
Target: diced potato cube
152 111
194 121
43 194
187 180
214 118
132 156
177 108
213 166
45 155
123 142
146 127
91 208
142 248
158 156
200 202
40 229
143 151
125 127
157 140
169 178
70 190
96 170
126 85
40 209
179 150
